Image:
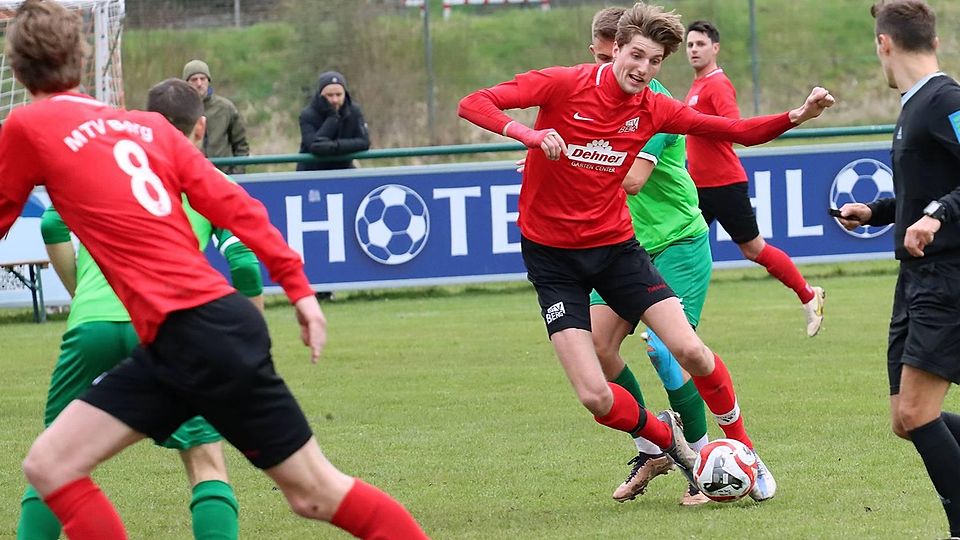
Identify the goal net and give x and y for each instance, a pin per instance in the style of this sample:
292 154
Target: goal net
102 74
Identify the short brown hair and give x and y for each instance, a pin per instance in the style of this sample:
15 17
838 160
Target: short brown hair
605 23
911 24
706 28
651 22
46 46
178 102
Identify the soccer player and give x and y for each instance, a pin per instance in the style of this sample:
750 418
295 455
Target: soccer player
923 353
117 178
99 335
668 224
576 232
721 180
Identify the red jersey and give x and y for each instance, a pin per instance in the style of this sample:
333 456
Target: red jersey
712 162
577 201
116 177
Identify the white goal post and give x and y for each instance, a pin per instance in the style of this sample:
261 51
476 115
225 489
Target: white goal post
102 72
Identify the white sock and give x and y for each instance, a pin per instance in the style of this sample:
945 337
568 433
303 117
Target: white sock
698 445
646 447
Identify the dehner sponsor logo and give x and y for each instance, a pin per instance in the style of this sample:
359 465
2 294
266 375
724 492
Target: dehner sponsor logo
596 152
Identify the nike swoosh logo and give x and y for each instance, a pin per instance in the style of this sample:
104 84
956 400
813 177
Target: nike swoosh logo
576 116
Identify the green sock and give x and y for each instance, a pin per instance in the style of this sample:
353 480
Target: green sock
628 381
214 509
687 401
37 522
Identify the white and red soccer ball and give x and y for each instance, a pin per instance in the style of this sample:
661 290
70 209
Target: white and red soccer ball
726 470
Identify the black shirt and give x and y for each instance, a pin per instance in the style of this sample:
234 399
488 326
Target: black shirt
926 167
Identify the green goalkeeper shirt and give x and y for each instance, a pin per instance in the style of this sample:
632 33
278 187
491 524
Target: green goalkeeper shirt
94 299
667 208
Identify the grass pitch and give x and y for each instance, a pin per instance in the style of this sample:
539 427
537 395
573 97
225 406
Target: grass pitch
454 403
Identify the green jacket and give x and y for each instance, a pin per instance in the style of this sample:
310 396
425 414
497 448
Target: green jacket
226 135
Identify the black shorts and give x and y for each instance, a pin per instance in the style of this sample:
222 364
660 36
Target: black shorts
925 326
730 205
212 360
621 273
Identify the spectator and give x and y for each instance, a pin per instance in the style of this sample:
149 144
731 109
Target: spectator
226 135
332 125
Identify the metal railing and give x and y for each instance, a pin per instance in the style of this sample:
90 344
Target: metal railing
457 149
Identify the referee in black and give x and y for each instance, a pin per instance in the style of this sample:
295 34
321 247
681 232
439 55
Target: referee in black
923 355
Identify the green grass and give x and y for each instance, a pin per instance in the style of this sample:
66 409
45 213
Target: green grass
453 402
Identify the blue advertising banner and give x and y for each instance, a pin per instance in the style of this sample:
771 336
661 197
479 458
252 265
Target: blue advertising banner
446 224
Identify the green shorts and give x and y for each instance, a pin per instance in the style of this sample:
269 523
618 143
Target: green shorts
686 266
91 349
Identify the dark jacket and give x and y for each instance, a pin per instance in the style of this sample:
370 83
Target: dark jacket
226 134
325 132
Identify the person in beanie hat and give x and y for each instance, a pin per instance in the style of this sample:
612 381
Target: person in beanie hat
226 134
331 125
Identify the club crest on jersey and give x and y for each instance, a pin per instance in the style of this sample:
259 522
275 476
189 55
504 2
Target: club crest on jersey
596 153
693 100
630 125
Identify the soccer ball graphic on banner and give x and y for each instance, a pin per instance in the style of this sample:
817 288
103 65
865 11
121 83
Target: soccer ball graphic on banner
392 224
726 470
862 181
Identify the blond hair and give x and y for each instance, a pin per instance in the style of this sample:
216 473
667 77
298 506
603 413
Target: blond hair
652 22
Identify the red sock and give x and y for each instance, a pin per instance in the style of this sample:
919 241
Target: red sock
627 415
716 389
779 265
85 512
367 512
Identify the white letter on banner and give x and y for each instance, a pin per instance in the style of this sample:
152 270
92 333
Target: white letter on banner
500 218
334 225
795 225
458 215
761 205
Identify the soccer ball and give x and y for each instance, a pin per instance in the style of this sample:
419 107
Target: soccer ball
863 181
726 470
392 224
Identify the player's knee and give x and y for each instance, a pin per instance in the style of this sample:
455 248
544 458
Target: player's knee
899 430
41 468
693 356
311 507
598 401
909 417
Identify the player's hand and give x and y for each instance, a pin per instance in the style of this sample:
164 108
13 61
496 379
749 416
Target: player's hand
547 140
817 102
313 325
553 145
521 163
920 235
853 215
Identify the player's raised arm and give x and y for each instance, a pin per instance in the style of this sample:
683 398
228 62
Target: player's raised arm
673 116
485 108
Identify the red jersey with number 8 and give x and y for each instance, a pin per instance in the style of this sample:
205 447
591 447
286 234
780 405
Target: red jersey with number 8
116 178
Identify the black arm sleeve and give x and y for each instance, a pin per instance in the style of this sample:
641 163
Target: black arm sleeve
884 211
329 129
307 133
362 141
